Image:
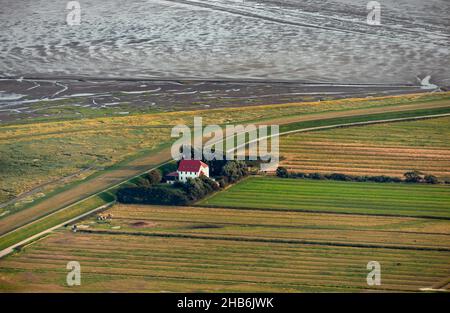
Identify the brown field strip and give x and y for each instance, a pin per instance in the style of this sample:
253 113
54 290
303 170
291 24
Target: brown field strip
390 149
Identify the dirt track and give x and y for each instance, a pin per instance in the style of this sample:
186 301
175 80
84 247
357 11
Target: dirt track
144 163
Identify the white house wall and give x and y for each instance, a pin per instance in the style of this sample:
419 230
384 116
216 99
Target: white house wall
183 176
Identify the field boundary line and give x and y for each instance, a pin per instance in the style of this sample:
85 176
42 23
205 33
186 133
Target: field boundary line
210 206
280 226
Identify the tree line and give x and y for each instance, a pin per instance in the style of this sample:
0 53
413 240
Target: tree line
408 177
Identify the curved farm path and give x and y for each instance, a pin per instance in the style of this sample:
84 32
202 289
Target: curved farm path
114 177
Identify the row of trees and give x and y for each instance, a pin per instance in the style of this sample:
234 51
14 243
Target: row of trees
409 177
152 195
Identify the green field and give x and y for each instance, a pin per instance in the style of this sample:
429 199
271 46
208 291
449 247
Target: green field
334 196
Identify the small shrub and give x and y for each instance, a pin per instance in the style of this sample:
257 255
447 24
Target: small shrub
154 177
316 176
431 179
282 172
338 176
413 177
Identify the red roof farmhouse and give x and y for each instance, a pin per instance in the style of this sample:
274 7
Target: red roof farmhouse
188 169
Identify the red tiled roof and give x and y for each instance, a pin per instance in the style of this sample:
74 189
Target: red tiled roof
190 165
173 174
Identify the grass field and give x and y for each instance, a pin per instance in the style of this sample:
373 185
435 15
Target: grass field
388 149
182 249
334 196
38 156
275 226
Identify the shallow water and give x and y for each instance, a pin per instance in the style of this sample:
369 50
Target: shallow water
312 41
